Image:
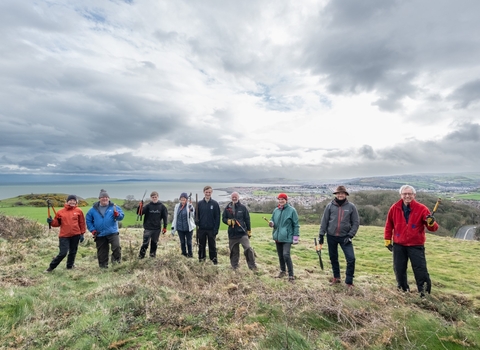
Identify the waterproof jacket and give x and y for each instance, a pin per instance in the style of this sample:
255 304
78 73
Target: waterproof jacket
105 225
154 214
190 215
71 223
285 223
240 213
341 221
411 233
208 215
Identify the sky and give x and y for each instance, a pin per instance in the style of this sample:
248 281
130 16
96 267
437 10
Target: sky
227 90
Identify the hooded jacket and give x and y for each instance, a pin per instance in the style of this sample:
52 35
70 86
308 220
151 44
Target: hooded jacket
154 214
190 220
240 213
339 220
105 225
72 221
411 233
286 224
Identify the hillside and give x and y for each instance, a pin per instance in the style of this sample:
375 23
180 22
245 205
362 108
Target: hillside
175 303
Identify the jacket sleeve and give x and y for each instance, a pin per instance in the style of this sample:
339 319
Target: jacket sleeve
55 222
325 219
121 214
389 225
295 223
81 221
354 221
247 220
165 216
225 215
90 221
216 216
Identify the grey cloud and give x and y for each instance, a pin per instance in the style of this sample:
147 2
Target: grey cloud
466 94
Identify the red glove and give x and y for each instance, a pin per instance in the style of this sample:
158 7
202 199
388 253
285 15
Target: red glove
164 230
115 214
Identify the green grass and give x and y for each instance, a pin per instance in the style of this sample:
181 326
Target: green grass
175 303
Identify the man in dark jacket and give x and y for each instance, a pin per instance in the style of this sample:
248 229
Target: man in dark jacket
155 212
404 234
237 218
207 218
340 223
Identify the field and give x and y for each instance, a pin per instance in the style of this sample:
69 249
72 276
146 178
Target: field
172 302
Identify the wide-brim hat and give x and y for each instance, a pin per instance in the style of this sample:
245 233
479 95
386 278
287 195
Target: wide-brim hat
341 189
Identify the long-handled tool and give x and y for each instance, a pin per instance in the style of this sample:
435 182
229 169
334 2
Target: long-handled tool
50 205
140 208
439 200
264 218
318 248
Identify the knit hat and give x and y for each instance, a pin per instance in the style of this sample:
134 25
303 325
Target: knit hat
103 193
282 195
72 196
341 189
184 195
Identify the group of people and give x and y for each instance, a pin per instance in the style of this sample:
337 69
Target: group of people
404 232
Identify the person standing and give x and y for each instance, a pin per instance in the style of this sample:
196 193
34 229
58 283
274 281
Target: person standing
184 223
340 223
404 235
286 231
208 221
102 221
154 213
71 221
237 218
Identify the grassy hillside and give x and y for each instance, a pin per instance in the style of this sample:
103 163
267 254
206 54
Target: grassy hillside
176 303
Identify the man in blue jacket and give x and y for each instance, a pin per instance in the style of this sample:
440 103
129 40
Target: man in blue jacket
102 221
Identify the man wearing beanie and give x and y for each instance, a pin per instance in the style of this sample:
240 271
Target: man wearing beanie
155 212
208 222
71 221
286 231
184 223
102 221
340 223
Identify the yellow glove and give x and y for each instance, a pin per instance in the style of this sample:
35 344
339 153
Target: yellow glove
249 233
388 244
231 222
430 220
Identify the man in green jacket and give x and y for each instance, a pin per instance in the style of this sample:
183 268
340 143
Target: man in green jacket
286 230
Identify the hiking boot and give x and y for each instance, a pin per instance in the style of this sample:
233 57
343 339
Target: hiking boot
291 279
281 274
334 281
349 285
48 270
71 267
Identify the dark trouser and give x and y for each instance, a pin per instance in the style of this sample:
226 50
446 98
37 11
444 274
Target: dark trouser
333 243
234 245
186 242
283 251
67 245
416 254
103 243
149 235
203 236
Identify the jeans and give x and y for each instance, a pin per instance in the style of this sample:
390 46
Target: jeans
149 236
283 251
67 245
203 236
333 243
186 242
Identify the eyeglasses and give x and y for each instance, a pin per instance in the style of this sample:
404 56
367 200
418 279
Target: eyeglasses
408 194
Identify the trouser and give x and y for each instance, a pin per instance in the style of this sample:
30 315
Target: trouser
283 251
66 245
149 236
186 242
103 244
234 245
203 236
333 243
416 254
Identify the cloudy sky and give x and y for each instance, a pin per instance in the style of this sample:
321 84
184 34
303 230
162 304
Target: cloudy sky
217 89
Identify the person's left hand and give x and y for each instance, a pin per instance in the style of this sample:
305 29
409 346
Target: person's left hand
348 240
430 220
82 238
249 233
115 214
164 230
295 239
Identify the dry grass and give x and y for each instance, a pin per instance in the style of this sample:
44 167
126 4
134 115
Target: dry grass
176 303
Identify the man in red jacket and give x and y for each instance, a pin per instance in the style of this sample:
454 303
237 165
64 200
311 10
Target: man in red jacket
71 221
405 237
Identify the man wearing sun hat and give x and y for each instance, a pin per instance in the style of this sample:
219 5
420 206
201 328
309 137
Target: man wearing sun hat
340 223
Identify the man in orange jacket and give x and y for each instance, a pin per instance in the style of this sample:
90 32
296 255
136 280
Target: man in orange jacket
405 236
71 221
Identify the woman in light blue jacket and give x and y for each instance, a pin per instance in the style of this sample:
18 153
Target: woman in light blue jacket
184 223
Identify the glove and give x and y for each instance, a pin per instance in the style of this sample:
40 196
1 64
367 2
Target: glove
116 214
231 222
249 233
82 238
94 235
388 244
271 224
347 240
164 230
295 239
49 220
321 239
430 220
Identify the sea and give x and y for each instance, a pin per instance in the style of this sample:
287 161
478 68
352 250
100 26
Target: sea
120 189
